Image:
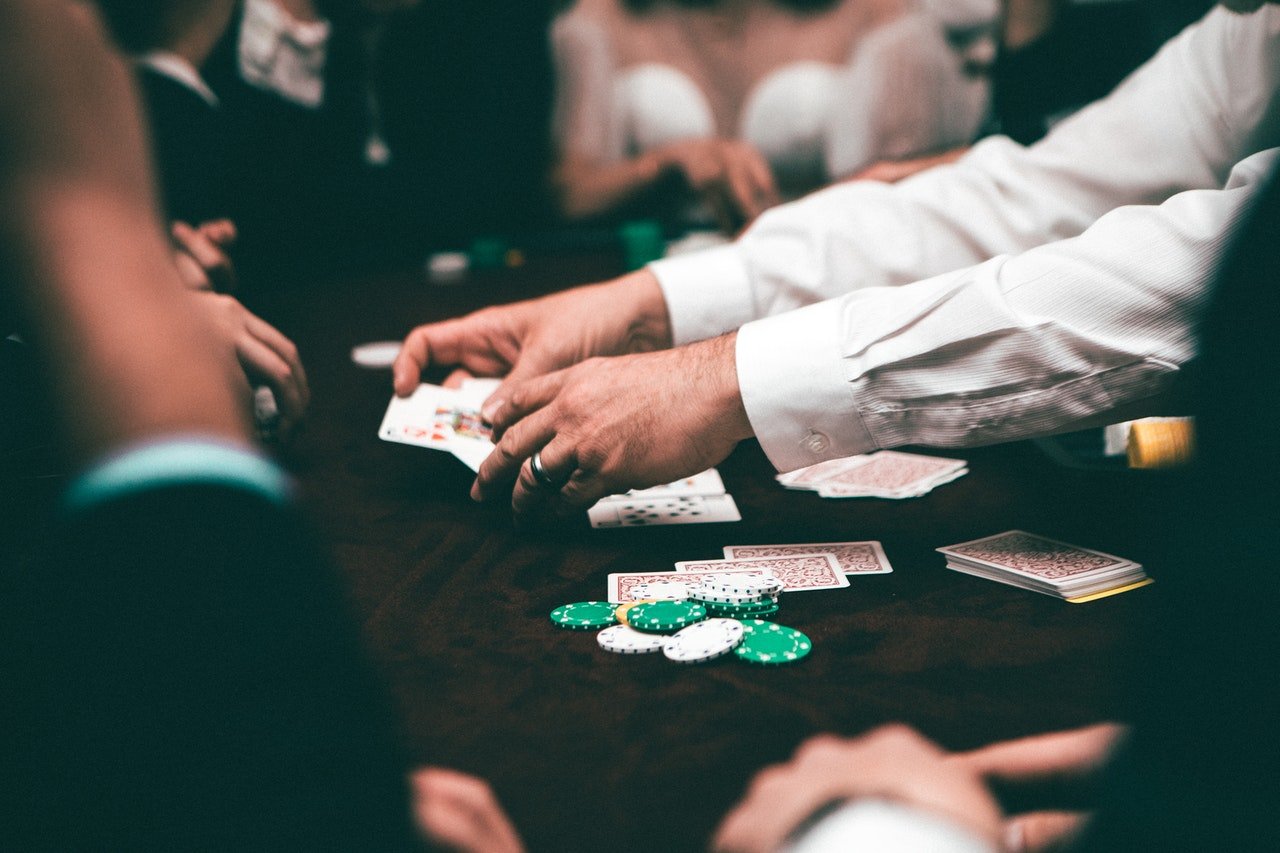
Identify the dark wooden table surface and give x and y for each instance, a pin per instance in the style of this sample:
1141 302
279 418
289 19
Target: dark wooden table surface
588 749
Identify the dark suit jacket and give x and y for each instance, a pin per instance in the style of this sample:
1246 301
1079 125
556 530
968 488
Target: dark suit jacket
182 673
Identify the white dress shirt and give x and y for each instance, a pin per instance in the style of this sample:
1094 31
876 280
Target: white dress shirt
1012 294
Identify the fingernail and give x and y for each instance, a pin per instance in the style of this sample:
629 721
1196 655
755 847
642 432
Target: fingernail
1013 837
490 410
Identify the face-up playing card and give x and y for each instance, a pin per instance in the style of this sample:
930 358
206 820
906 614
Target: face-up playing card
797 572
642 512
855 558
424 418
811 574
1037 558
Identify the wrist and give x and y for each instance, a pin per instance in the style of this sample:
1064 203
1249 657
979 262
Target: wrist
649 324
718 366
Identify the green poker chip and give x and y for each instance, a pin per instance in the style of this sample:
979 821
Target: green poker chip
743 613
584 615
770 643
660 616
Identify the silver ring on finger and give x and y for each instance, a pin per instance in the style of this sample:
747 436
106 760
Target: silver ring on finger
540 473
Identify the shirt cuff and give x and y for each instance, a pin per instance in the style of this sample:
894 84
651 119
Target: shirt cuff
791 376
185 460
707 293
886 827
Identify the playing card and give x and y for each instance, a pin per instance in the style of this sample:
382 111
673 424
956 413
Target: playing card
816 574
815 475
893 472
916 490
1037 558
798 572
855 558
647 512
706 483
424 418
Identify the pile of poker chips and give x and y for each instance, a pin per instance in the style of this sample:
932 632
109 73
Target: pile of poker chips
695 623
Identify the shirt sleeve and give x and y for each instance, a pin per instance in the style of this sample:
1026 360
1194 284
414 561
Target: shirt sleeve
1179 123
880 826
176 461
1015 347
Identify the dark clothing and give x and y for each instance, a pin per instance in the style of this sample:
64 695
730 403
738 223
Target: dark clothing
189 146
183 674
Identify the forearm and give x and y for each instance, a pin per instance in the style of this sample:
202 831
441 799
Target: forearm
587 189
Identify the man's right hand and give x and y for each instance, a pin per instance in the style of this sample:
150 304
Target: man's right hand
538 336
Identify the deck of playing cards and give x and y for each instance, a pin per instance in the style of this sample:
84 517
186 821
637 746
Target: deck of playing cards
1042 565
700 499
443 419
886 474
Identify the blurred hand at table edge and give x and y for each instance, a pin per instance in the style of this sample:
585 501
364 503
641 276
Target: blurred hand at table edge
730 176
200 253
461 813
897 764
265 355
892 763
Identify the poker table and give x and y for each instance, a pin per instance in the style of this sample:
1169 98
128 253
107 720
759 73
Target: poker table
588 749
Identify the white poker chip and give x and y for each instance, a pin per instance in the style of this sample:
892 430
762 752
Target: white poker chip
448 267
715 596
625 640
379 355
703 641
661 591
743 584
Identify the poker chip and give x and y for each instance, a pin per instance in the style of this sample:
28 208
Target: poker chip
660 591
376 356
583 615
743 584
714 596
624 640
742 613
770 643
703 641
620 612
662 616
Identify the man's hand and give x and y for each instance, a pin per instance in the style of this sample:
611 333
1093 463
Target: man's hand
611 424
264 353
1050 779
531 338
200 254
729 174
892 763
461 813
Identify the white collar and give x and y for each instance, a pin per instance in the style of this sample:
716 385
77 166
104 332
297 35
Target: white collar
178 69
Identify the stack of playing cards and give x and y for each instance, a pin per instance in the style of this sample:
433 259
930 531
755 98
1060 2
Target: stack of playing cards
822 565
699 499
443 419
887 474
1042 565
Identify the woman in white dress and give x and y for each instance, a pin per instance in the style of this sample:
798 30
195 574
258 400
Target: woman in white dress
734 105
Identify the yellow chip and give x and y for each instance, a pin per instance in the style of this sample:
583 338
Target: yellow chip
621 613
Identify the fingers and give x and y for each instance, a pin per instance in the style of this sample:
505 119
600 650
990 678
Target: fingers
262 362
461 812
434 342
517 397
1044 832
762 176
207 253
221 231
284 348
518 443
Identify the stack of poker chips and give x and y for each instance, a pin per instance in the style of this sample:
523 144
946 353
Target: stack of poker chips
700 623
